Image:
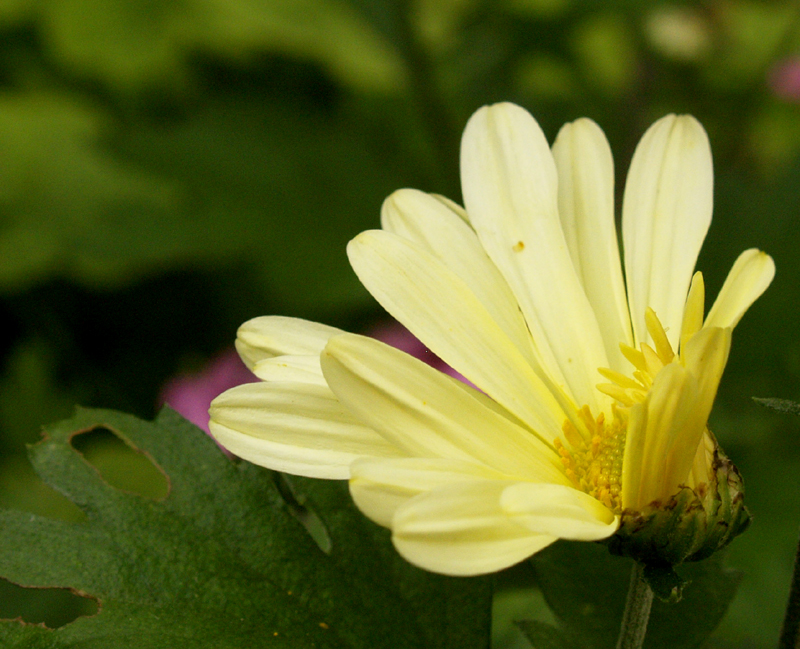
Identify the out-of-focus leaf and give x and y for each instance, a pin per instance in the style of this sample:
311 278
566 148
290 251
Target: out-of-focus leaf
221 562
30 394
239 180
61 195
545 636
750 36
509 606
606 48
12 11
135 45
775 136
272 183
586 589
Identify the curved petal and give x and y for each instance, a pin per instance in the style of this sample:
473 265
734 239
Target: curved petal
427 413
298 428
750 276
666 212
705 356
421 218
439 309
663 434
291 369
270 336
558 510
379 486
586 208
461 529
510 192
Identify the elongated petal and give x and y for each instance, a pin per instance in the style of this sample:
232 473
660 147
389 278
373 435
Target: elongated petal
461 529
705 357
291 369
510 192
440 309
426 412
750 276
656 429
379 486
270 336
586 208
694 309
298 428
666 212
429 222
558 510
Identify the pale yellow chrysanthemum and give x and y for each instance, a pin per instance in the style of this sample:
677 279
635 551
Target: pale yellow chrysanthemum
594 390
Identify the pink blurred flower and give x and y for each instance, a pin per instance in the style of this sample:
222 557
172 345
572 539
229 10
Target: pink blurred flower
190 394
784 79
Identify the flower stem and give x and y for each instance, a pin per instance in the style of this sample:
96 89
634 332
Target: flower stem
790 633
637 611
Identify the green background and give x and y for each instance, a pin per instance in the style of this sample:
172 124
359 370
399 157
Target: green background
170 169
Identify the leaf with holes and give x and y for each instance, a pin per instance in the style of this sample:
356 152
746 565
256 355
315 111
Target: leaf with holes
226 559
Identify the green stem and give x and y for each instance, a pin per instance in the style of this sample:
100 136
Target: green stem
790 634
637 611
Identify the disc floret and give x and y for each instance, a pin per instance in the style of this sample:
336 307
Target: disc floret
593 462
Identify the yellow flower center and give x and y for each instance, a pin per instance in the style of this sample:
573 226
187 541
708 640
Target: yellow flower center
593 459
594 463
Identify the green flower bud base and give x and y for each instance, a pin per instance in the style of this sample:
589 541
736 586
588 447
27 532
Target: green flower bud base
690 526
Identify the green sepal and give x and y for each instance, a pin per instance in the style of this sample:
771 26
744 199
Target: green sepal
691 525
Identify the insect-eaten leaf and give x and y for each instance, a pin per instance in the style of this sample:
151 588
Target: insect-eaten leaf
223 560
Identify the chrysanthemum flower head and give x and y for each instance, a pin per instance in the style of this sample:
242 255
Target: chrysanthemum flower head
594 384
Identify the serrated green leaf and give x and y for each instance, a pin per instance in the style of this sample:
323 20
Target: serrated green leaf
586 588
220 562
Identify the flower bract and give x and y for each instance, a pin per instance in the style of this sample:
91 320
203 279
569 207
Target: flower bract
595 373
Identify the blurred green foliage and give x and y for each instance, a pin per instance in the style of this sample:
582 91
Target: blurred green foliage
170 169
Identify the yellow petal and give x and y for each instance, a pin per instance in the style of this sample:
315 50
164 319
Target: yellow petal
427 413
462 530
509 183
429 222
440 309
380 485
666 212
586 208
292 369
750 276
557 510
665 431
298 428
694 310
270 336
657 430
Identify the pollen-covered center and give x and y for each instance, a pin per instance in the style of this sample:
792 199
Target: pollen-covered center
593 462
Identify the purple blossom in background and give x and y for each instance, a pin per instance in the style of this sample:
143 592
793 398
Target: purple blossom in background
784 79
190 394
